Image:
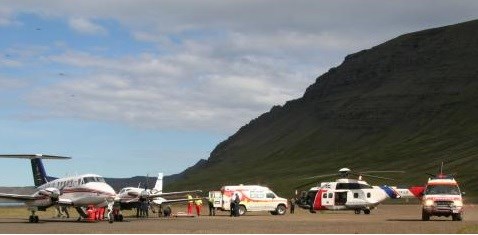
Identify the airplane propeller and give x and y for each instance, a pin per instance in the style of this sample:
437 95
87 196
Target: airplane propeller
53 193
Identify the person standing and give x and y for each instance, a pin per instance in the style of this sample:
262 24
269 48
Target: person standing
198 203
64 209
232 205
138 209
212 209
292 205
237 202
190 204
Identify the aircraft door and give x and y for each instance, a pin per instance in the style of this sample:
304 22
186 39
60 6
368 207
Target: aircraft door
328 198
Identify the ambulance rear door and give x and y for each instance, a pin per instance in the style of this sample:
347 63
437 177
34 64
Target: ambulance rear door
216 198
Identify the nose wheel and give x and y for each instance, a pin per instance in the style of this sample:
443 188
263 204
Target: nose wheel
33 218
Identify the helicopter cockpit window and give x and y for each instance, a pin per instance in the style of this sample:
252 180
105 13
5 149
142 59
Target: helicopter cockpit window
369 195
442 189
365 186
355 195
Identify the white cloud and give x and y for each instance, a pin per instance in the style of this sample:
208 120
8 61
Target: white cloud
86 26
218 63
7 18
181 91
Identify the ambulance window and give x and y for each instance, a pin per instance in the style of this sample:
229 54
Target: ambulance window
355 195
270 195
325 195
331 195
369 195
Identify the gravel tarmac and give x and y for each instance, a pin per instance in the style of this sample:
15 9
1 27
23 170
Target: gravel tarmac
384 219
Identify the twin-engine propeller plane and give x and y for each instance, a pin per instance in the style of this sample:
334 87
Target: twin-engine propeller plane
77 191
349 194
130 197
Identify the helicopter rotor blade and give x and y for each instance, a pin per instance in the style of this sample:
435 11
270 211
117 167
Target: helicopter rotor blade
320 176
378 177
382 172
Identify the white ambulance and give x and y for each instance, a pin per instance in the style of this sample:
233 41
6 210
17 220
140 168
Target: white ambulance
253 198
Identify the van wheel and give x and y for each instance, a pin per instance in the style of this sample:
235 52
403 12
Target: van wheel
242 210
457 217
425 216
281 209
366 211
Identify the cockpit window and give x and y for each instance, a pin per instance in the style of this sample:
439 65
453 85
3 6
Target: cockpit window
100 179
442 189
93 179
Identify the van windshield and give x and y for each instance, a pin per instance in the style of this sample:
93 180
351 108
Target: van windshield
442 189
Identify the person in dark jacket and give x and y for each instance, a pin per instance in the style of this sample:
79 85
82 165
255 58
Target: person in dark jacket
237 202
232 206
292 205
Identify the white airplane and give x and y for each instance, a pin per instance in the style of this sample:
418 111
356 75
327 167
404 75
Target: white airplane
129 197
77 191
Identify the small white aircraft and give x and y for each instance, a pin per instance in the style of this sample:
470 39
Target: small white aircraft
77 191
130 197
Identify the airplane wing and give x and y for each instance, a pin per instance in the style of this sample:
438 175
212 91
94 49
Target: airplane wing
17 197
64 202
171 201
155 195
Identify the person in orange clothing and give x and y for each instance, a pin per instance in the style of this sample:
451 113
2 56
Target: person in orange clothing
190 204
198 203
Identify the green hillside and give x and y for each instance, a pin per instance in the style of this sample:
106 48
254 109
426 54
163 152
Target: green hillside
407 104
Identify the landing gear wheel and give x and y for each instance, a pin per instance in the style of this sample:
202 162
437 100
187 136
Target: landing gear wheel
425 216
366 211
33 219
457 217
357 212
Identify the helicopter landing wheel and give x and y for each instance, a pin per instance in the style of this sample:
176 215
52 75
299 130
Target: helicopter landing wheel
357 212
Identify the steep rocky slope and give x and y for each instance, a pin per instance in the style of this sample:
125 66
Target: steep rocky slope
407 104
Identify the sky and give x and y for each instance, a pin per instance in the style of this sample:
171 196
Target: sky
131 88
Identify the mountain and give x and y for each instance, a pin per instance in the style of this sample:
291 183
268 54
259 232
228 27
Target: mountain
407 104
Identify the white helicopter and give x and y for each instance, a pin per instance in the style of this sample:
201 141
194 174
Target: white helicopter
349 194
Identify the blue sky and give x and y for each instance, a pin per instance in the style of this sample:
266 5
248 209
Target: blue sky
132 88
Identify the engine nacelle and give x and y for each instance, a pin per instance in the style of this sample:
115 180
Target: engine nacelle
53 193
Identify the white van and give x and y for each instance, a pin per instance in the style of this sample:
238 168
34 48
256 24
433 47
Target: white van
253 198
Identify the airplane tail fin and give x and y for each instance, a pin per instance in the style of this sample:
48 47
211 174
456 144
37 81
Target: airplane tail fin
39 174
158 187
